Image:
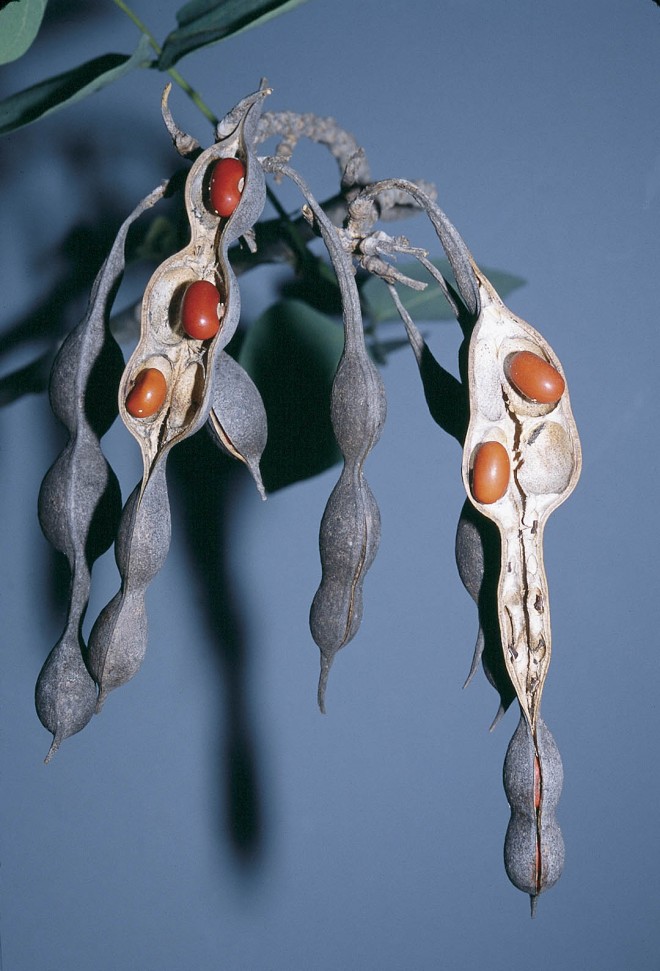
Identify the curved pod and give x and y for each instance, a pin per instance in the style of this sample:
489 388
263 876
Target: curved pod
545 461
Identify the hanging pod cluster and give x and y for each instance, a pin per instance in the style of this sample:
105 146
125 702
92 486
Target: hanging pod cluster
510 411
177 379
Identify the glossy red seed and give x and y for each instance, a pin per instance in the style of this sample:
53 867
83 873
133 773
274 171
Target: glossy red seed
199 310
535 378
148 393
226 185
490 472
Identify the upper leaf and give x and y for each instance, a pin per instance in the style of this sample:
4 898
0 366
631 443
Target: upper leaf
429 304
204 22
19 25
54 93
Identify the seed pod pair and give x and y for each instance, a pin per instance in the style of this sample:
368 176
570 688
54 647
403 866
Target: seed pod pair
183 332
79 500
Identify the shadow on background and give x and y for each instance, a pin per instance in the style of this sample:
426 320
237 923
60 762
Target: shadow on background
203 486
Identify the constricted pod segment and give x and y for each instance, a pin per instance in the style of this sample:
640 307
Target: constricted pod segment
533 779
79 500
350 527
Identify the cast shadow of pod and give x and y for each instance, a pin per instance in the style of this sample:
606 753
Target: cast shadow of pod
204 484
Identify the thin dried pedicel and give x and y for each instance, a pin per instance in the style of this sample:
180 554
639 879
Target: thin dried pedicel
79 501
350 528
119 637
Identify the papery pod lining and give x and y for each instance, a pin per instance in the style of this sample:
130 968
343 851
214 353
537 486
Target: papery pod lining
497 414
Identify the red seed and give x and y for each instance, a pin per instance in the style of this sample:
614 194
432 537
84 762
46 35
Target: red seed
226 186
148 393
534 377
199 310
490 472
537 783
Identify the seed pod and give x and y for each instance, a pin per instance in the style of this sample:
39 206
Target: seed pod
237 421
478 560
350 528
79 501
118 639
533 779
542 445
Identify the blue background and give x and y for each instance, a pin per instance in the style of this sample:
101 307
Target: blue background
378 833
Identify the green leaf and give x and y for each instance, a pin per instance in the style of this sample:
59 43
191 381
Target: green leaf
204 22
19 25
428 304
54 93
291 353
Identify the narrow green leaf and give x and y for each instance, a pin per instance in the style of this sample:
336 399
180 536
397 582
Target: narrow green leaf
428 304
54 93
291 353
19 25
204 22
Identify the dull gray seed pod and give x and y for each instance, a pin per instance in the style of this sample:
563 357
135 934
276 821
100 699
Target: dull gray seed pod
79 500
237 421
350 528
118 641
533 779
166 392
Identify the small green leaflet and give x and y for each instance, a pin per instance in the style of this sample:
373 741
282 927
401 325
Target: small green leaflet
204 22
428 304
19 25
64 89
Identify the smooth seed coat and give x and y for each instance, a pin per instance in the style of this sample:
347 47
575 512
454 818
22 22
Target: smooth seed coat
148 394
490 472
226 185
199 310
534 377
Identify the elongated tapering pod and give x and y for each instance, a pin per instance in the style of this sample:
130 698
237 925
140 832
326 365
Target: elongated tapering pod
79 501
179 366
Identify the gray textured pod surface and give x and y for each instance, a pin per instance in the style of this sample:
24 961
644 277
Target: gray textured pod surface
237 421
350 527
79 500
533 779
478 558
118 641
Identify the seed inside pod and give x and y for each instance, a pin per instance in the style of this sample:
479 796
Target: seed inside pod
199 310
226 185
490 472
534 378
148 393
